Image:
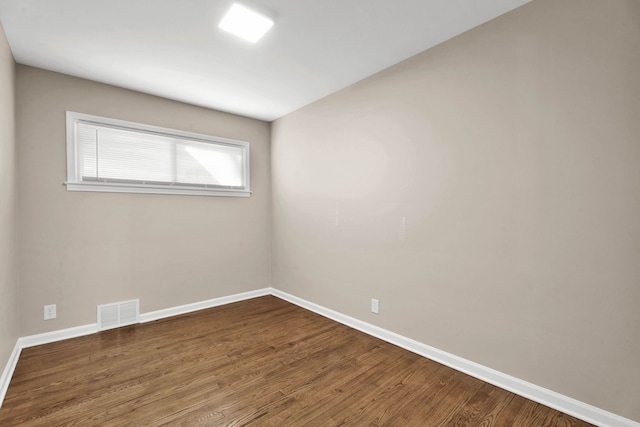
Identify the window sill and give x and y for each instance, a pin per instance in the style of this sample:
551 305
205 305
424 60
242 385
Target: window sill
151 189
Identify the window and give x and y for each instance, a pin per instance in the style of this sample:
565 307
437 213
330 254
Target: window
118 156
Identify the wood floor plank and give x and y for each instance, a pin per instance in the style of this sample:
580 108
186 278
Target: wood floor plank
260 362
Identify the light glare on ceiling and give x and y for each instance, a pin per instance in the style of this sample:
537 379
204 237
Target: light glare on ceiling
245 23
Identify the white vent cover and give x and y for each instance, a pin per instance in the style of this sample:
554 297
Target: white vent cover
118 314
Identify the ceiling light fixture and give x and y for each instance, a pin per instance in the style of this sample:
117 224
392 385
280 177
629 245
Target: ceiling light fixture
245 23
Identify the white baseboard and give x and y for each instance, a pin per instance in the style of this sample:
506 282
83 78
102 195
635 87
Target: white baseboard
5 379
549 398
59 335
188 308
562 403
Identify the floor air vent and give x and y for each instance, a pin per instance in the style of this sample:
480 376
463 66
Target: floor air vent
118 314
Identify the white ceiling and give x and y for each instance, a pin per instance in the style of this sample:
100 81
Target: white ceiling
174 49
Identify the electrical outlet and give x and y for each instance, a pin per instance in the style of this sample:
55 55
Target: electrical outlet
375 306
49 312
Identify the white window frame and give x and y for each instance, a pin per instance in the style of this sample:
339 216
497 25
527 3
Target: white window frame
74 176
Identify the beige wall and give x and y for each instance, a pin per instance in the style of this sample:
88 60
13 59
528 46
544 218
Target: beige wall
487 192
8 278
80 249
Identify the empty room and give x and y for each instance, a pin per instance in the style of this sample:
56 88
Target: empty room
320 213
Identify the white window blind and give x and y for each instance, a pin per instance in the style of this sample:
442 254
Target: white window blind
112 155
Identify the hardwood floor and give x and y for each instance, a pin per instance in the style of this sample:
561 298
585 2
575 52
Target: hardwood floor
261 362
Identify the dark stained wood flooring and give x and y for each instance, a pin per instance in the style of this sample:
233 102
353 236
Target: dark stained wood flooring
260 362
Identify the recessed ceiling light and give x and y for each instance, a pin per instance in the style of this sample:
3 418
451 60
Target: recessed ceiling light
245 23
